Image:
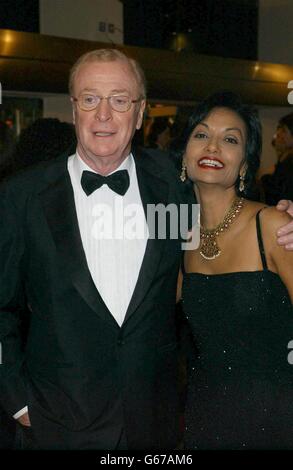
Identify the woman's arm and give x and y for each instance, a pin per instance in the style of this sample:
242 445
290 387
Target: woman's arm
278 259
179 286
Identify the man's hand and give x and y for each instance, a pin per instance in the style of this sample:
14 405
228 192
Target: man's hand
285 233
24 420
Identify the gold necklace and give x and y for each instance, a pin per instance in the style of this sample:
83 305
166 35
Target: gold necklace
209 248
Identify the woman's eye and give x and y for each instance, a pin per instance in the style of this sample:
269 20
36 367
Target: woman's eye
199 135
231 140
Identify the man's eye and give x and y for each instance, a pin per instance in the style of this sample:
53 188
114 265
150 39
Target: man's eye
88 99
120 100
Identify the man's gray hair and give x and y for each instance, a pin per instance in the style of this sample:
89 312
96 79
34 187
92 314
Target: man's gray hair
109 55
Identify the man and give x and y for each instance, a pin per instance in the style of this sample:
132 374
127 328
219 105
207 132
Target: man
277 182
99 366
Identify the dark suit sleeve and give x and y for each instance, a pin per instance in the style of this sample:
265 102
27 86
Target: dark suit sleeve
13 306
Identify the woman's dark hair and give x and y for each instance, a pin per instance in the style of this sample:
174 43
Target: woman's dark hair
233 102
287 121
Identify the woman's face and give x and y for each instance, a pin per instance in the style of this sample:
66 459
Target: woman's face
215 151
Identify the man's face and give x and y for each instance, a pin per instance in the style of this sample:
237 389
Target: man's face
104 135
283 138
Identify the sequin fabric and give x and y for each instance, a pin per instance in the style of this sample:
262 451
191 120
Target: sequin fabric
240 387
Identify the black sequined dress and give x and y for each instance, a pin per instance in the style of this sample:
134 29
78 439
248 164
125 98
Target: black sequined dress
240 393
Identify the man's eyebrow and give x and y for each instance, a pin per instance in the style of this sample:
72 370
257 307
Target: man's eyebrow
115 91
121 90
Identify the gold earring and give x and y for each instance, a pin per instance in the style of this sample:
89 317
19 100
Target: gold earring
241 183
183 175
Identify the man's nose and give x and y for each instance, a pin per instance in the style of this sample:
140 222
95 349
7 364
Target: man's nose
103 111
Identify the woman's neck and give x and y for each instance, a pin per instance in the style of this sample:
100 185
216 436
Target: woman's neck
214 204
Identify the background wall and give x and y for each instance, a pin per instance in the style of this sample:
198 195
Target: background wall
58 106
95 20
275 31
275 44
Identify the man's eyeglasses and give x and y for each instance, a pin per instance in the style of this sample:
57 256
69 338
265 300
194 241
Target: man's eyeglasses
120 103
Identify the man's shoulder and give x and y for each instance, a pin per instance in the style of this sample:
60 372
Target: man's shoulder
164 168
157 163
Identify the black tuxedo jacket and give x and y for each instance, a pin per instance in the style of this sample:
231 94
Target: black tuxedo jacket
83 377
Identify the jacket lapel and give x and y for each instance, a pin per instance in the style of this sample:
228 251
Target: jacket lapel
59 208
153 190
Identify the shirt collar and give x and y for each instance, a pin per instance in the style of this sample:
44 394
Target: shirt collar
79 165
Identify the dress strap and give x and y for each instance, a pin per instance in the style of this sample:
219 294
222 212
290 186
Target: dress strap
260 242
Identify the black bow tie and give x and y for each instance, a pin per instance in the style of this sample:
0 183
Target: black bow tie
118 181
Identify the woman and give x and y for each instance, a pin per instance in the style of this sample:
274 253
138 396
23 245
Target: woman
237 289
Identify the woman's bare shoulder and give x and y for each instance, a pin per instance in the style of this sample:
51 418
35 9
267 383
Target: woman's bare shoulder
273 219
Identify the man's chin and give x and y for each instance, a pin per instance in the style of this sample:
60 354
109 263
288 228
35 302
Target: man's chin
98 153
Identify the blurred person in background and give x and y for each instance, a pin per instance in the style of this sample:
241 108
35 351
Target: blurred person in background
6 149
277 183
159 135
44 139
6 142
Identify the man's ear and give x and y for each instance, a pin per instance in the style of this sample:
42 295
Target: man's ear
73 111
140 114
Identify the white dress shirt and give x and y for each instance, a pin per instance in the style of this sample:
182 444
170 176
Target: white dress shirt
114 235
